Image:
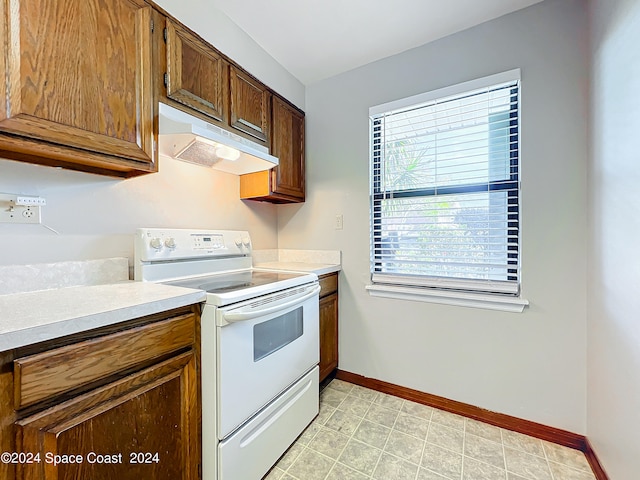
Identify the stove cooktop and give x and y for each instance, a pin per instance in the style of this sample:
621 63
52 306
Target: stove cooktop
226 282
232 287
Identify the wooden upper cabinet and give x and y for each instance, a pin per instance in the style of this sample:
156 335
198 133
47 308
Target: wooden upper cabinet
288 145
250 106
286 182
78 89
197 76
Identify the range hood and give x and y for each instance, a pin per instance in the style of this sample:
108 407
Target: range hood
191 139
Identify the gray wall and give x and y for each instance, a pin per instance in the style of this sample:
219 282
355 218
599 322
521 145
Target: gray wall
531 365
613 396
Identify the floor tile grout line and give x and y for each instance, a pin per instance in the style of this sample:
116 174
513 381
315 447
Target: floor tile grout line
426 436
575 469
519 449
464 440
475 459
499 442
487 463
424 446
546 457
504 455
302 449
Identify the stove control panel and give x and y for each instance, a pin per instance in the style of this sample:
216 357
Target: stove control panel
157 244
204 241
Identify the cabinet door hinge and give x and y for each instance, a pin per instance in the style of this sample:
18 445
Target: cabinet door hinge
166 79
153 25
165 34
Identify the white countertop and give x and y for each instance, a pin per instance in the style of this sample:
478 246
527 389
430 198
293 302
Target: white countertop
319 262
32 317
317 268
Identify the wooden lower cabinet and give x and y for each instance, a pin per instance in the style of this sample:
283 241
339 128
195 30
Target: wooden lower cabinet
132 429
140 423
328 324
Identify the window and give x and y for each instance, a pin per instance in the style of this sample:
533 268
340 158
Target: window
445 185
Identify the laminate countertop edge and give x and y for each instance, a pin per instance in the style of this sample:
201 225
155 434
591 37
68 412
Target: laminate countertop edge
317 268
33 317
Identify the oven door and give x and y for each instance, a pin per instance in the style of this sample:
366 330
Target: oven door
264 346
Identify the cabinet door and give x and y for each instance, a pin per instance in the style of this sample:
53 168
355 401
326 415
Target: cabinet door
249 106
78 76
197 76
144 426
288 145
328 334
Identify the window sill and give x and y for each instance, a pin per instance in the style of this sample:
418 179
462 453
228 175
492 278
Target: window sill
462 299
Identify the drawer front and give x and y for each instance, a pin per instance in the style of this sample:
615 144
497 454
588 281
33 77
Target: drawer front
56 371
265 437
328 284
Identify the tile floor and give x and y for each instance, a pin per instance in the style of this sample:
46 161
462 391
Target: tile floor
362 434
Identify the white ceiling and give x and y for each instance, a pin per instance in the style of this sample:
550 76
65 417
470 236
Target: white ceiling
318 39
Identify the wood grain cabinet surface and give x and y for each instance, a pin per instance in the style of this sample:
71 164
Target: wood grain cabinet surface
196 74
286 182
328 324
78 91
250 106
126 406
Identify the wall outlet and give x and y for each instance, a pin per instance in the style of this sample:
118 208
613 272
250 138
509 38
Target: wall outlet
11 211
339 221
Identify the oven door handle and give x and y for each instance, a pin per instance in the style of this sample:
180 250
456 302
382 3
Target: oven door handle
243 316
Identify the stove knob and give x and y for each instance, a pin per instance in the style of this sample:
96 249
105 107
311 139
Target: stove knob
246 241
156 244
170 243
238 242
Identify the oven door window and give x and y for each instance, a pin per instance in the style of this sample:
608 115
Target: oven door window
272 335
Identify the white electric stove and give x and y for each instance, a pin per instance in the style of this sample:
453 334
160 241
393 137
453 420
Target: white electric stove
260 345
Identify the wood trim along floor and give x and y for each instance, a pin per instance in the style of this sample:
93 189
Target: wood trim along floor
533 429
596 466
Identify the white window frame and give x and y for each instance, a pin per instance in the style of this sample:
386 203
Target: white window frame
496 295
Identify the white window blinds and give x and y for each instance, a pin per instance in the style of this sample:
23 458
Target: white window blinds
445 185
